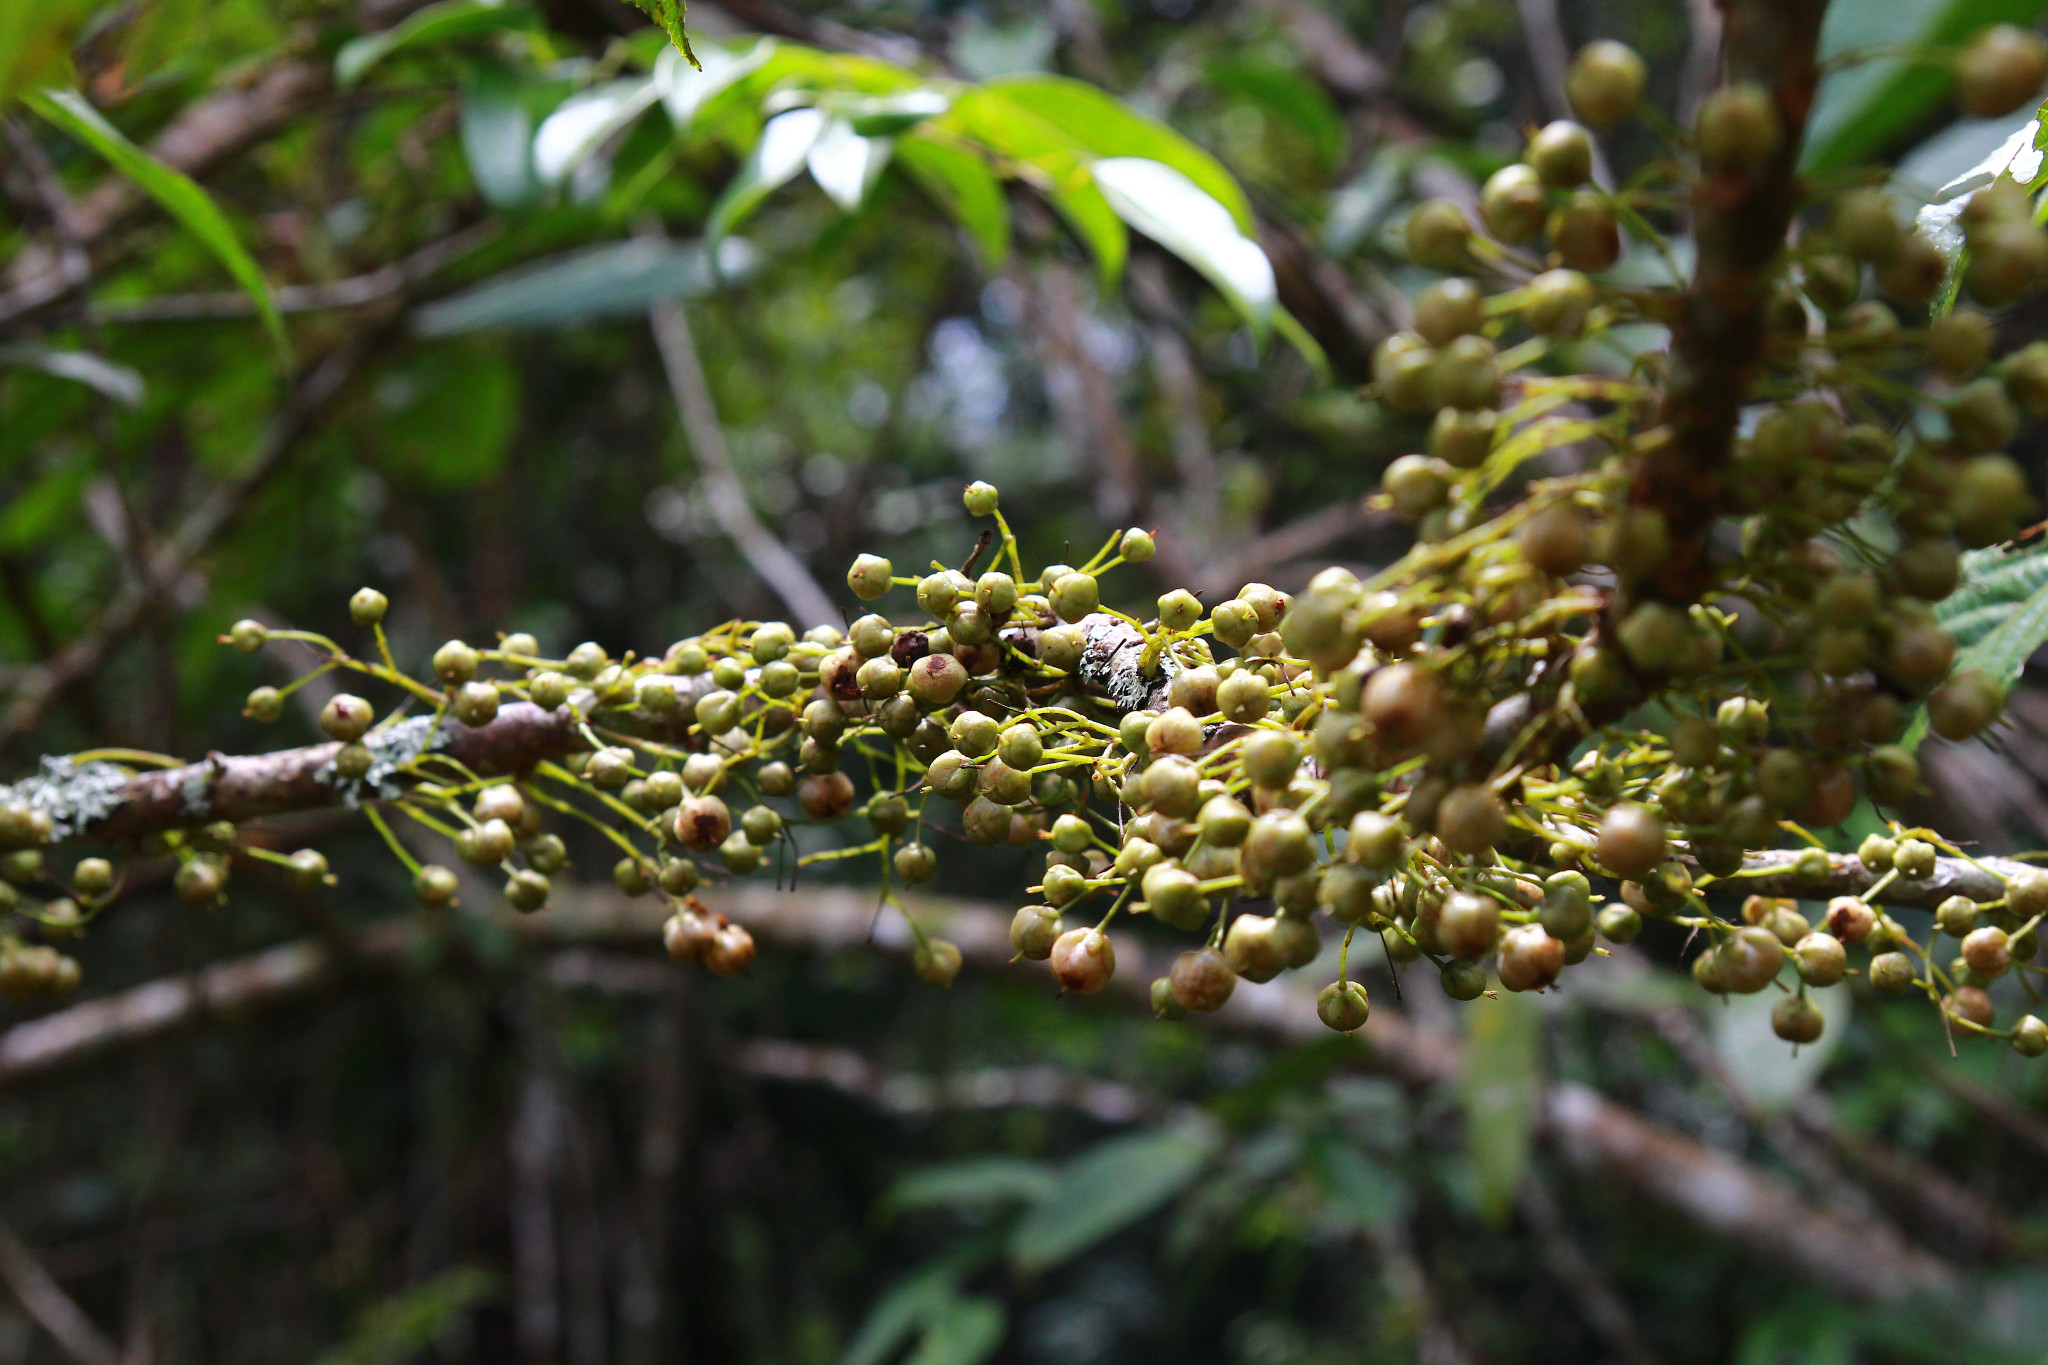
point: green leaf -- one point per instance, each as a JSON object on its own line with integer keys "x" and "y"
{"x": 176, "y": 192}
{"x": 2003, "y": 650}
{"x": 965, "y": 187}
{"x": 668, "y": 16}
{"x": 1106, "y": 126}
{"x": 978, "y": 1183}
{"x": 1106, "y": 1189}
{"x": 1499, "y": 1085}
{"x": 844, "y": 164}
{"x": 443, "y": 22}
{"x": 960, "y": 1331}
{"x": 1991, "y": 586}
{"x": 616, "y": 279}
{"x": 497, "y": 135}
{"x": 118, "y": 382}
{"x": 586, "y": 121}
{"x": 1862, "y": 110}
{"x": 1051, "y": 160}
{"x": 35, "y": 42}
{"x": 889, "y": 115}
{"x": 783, "y": 149}
{"x": 685, "y": 92}
{"x": 1175, "y": 212}
{"x": 899, "y": 1312}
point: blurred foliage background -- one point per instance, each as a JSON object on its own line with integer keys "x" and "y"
{"x": 476, "y": 1142}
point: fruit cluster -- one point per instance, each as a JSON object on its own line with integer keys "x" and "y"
{"x": 1574, "y": 681}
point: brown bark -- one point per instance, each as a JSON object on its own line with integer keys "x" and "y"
{"x": 249, "y": 787}
{"x": 1718, "y": 334}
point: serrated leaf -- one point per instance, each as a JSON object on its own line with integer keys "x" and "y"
{"x": 1106, "y": 1189}
{"x": 1863, "y": 109}
{"x": 1991, "y": 584}
{"x": 844, "y": 164}
{"x": 177, "y": 193}
{"x": 965, "y": 187}
{"x": 443, "y": 22}
{"x": 784, "y": 147}
{"x": 615, "y": 279}
{"x": 668, "y": 17}
{"x": 586, "y": 121}
{"x": 978, "y": 1183}
{"x": 1164, "y": 204}
{"x": 1107, "y": 127}
{"x": 1499, "y": 1083}
{"x": 2001, "y": 651}
{"x": 118, "y": 382}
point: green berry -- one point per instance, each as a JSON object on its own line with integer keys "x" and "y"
{"x": 346, "y": 717}
{"x": 1438, "y": 235}
{"x": 869, "y": 578}
{"x": 1561, "y": 154}
{"x": 455, "y": 663}
{"x": 265, "y": 704}
{"x": 2001, "y": 70}
{"x": 368, "y": 606}
{"x": 1343, "y": 1006}
{"x": 980, "y": 498}
{"x": 1512, "y": 204}
{"x": 1605, "y": 83}
{"x": 1738, "y": 131}
{"x": 527, "y": 891}
{"x": 1075, "y": 595}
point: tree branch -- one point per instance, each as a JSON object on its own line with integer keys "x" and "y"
{"x": 1717, "y": 338}
{"x": 53, "y": 1309}
{"x": 353, "y": 292}
{"x": 770, "y": 558}
{"x": 1857, "y": 1258}
{"x": 1770, "y": 874}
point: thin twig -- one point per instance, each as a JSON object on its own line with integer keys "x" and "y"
{"x": 1589, "y": 1290}
{"x": 769, "y": 557}
{"x": 354, "y": 292}
{"x": 54, "y": 1310}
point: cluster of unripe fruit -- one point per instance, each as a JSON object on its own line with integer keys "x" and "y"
{"x": 57, "y": 905}
{"x": 1444, "y": 756}
{"x": 1993, "y": 939}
